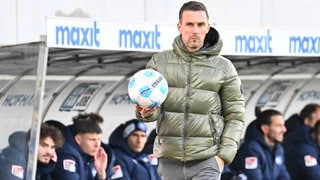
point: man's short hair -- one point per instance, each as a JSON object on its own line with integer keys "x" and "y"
{"x": 264, "y": 117}
{"x": 87, "y": 123}
{"x": 192, "y": 6}
{"x": 54, "y": 133}
{"x": 308, "y": 111}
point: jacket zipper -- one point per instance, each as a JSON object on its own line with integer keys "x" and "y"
{"x": 186, "y": 110}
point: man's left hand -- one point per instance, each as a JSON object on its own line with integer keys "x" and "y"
{"x": 220, "y": 163}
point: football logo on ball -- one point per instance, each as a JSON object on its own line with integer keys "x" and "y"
{"x": 148, "y": 88}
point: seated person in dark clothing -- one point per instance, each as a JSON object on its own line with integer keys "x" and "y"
{"x": 148, "y": 149}
{"x": 316, "y": 134}
{"x": 14, "y": 158}
{"x": 111, "y": 158}
{"x": 82, "y": 156}
{"x": 13, "y": 161}
{"x": 127, "y": 142}
{"x": 50, "y": 139}
{"x": 303, "y": 158}
{"x": 261, "y": 155}
{"x": 308, "y": 116}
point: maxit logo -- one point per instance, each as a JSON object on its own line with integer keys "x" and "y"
{"x": 78, "y": 36}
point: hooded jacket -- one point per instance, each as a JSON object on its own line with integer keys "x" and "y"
{"x": 13, "y": 159}
{"x": 292, "y": 125}
{"x": 73, "y": 163}
{"x": 258, "y": 160}
{"x": 203, "y": 114}
{"x": 148, "y": 149}
{"x": 303, "y": 158}
{"x": 129, "y": 165}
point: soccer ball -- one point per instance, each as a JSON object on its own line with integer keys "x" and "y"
{"x": 148, "y": 88}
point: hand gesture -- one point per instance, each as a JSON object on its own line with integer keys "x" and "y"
{"x": 100, "y": 163}
{"x": 54, "y": 156}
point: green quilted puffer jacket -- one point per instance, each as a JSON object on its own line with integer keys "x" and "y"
{"x": 203, "y": 114}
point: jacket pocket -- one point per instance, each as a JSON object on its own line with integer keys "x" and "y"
{"x": 216, "y": 126}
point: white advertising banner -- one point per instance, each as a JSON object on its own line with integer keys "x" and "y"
{"x": 92, "y": 34}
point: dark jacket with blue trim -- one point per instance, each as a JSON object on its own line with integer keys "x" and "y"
{"x": 258, "y": 160}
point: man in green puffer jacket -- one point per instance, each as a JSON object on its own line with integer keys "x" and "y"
{"x": 200, "y": 124}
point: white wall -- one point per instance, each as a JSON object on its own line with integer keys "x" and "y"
{"x": 24, "y": 21}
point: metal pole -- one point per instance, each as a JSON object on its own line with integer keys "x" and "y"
{"x": 37, "y": 112}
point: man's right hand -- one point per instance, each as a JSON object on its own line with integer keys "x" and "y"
{"x": 100, "y": 163}
{"x": 145, "y": 112}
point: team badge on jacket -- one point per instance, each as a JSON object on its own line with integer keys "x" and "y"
{"x": 69, "y": 165}
{"x": 17, "y": 171}
{"x": 117, "y": 172}
{"x": 251, "y": 162}
{"x": 310, "y": 161}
